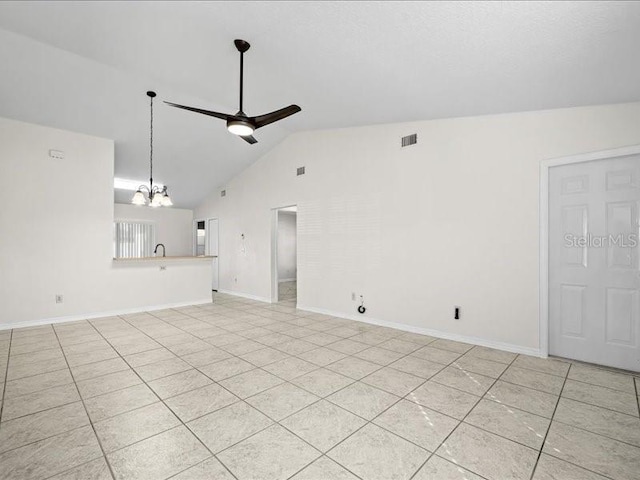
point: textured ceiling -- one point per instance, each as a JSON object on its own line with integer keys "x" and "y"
{"x": 85, "y": 66}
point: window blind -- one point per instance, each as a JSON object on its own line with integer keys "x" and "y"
{"x": 133, "y": 239}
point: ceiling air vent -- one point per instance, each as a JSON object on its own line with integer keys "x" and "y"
{"x": 300, "y": 171}
{"x": 410, "y": 140}
{"x": 223, "y": 193}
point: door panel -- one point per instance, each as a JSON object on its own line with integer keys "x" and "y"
{"x": 622, "y": 309}
{"x": 579, "y": 184}
{"x": 621, "y": 180}
{"x": 621, "y": 222}
{"x": 594, "y": 275}
{"x": 573, "y": 310}
{"x": 575, "y": 221}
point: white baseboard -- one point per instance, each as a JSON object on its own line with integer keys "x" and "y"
{"x": 508, "y": 347}
{"x": 110, "y": 313}
{"x": 246, "y": 295}
{"x": 282, "y": 280}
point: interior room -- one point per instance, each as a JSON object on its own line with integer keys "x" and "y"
{"x": 287, "y": 264}
{"x": 318, "y": 240}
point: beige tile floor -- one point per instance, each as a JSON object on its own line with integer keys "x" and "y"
{"x": 287, "y": 290}
{"x": 243, "y": 390}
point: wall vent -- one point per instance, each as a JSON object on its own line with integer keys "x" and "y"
{"x": 223, "y": 193}
{"x": 410, "y": 140}
{"x": 300, "y": 171}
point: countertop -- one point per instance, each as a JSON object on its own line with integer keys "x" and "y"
{"x": 168, "y": 258}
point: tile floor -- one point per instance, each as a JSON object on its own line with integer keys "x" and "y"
{"x": 242, "y": 390}
{"x": 287, "y": 291}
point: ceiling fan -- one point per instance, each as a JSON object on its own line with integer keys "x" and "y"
{"x": 239, "y": 123}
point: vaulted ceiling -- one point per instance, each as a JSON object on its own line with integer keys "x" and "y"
{"x": 85, "y": 66}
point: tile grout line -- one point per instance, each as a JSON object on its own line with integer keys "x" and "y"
{"x": 390, "y": 406}
{"x": 557, "y": 395}
{"x": 51, "y": 436}
{"x": 605, "y": 368}
{"x": 544, "y": 440}
{"x": 617, "y": 390}
{"x": 484, "y": 397}
{"x": 44, "y": 410}
{"x": 72, "y": 468}
{"x": 367, "y": 421}
{"x": 289, "y": 355}
{"x": 636, "y": 382}
{"x": 600, "y": 406}
{"x": 161, "y": 401}
{"x": 274, "y": 422}
{"x": 316, "y": 402}
{"x": 266, "y": 346}
{"x": 104, "y": 455}
{"x": 461, "y": 421}
{"x": 6, "y": 375}
{"x": 423, "y": 345}
{"x": 597, "y": 433}
{"x": 370, "y": 346}
{"x": 319, "y": 399}
{"x": 355, "y": 381}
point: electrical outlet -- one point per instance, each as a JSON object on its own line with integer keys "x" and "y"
{"x": 163, "y": 268}
{"x": 59, "y": 298}
{"x": 353, "y": 296}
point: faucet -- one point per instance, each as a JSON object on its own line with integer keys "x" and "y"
{"x": 156, "y": 249}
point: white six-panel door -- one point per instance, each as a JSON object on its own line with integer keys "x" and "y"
{"x": 594, "y": 275}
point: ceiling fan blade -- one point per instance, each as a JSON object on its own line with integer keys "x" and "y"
{"x": 267, "y": 118}
{"x": 249, "y": 139}
{"x": 222, "y": 116}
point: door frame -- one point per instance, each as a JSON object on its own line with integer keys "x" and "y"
{"x": 215, "y": 262}
{"x": 207, "y": 250}
{"x": 194, "y": 242}
{"x": 545, "y": 167}
{"x": 274, "y": 249}
{"x": 194, "y": 239}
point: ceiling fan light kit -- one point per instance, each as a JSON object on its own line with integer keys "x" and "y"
{"x": 239, "y": 127}
{"x": 239, "y": 123}
{"x": 156, "y": 196}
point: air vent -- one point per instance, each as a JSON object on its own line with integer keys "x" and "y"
{"x": 223, "y": 193}
{"x": 410, "y": 140}
{"x": 300, "y": 171}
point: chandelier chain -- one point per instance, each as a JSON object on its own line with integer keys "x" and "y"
{"x": 157, "y": 197}
{"x": 151, "y": 145}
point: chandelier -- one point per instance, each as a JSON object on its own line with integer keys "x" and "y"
{"x": 157, "y": 197}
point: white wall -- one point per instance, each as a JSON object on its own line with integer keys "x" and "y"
{"x": 450, "y": 221}
{"x": 56, "y": 235}
{"x": 174, "y": 226}
{"x": 287, "y": 246}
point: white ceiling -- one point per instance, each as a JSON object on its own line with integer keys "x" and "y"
{"x": 86, "y": 66}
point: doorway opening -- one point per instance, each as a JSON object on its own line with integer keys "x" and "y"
{"x": 200, "y": 238}
{"x": 206, "y": 243}
{"x": 284, "y": 255}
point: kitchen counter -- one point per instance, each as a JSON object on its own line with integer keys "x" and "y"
{"x": 168, "y": 259}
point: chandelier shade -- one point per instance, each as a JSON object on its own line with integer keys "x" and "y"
{"x": 138, "y": 198}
